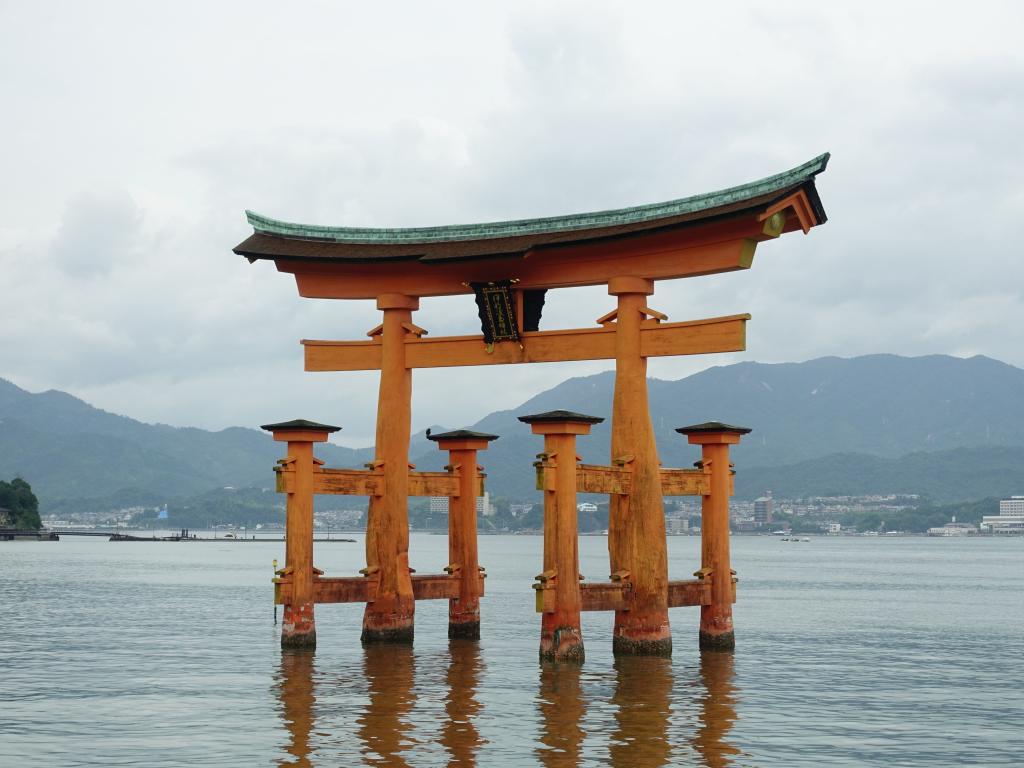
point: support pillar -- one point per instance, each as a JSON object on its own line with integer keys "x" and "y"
{"x": 463, "y": 562}
{"x": 298, "y": 626}
{"x": 636, "y": 526}
{"x": 714, "y": 438}
{"x": 389, "y": 618}
{"x": 561, "y": 638}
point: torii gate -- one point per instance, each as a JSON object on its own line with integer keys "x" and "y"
{"x": 509, "y": 265}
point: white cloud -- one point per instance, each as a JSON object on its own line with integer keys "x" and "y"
{"x": 139, "y": 135}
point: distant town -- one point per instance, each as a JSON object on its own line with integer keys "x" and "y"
{"x": 262, "y": 511}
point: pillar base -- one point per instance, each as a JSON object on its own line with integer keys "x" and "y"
{"x": 562, "y": 644}
{"x": 394, "y": 626}
{"x": 716, "y": 632}
{"x": 464, "y": 630}
{"x": 639, "y": 634}
{"x": 717, "y": 641}
{"x": 298, "y": 626}
{"x": 629, "y": 646}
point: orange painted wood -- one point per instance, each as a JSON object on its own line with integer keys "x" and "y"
{"x": 346, "y": 589}
{"x": 693, "y": 337}
{"x": 342, "y": 355}
{"x": 802, "y": 212}
{"x": 604, "y": 596}
{"x": 434, "y": 484}
{"x": 716, "y": 625}
{"x": 435, "y": 587}
{"x": 591, "y": 478}
{"x": 390, "y": 616}
{"x": 636, "y": 525}
{"x": 362, "y": 482}
{"x": 560, "y": 638}
{"x": 360, "y": 589}
{"x": 298, "y": 626}
{"x": 349, "y": 482}
{"x": 463, "y": 557}
{"x": 684, "y": 482}
{"x": 688, "y": 592}
{"x": 653, "y": 256}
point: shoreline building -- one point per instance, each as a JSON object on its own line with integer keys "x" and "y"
{"x": 953, "y": 528}
{"x": 483, "y": 504}
{"x": 763, "y": 509}
{"x": 1010, "y": 519}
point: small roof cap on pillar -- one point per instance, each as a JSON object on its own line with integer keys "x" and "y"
{"x": 709, "y": 427}
{"x": 299, "y": 425}
{"x": 549, "y": 416}
{"x": 460, "y": 434}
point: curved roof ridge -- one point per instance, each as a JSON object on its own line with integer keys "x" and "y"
{"x": 500, "y": 229}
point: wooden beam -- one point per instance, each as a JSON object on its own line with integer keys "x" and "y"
{"x": 684, "y": 482}
{"x": 604, "y": 596}
{"x": 723, "y": 247}
{"x": 591, "y": 478}
{"x": 348, "y": 482}
{"x": 433, "y": 484}
{"x": 716, "y": 334}
{"x": 689, "y": 592}
{"x": 361, "y": 589}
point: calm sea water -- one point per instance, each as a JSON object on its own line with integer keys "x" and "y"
{"x": 891, "y": 651}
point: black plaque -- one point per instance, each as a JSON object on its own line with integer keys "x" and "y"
{"x": 497, "y": 309}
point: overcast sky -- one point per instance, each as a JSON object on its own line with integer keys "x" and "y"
{"x": 134, "y": 135}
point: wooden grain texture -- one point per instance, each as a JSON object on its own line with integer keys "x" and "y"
{"x": 592, "y": 478}
{"x": 636, "y": 526}
{"x": 718, "y": 248}
{"x": 692, "y": 337}
{"x": 390, "y": 616}
{"x": 684, "y": 482}
{"x": 298, "y": 625}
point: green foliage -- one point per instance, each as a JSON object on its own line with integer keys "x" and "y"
{"x": 920, "y": 519}
{"x": 21, "y": 504}
{"x": 224, "y": 506}
{"x": 944, "y": 476}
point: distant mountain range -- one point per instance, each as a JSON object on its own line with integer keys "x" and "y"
{"x": 949, "y": 427}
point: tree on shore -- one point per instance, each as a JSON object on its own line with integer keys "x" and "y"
{"x": 21, "y": 504}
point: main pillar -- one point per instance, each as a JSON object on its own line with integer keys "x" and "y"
{"x": 463, "y": 561}
{"x": 636, "y": 525}
{"x": 714, "y": 438}
{"x": 298, "y": 627}
{"x": 389, "y": 618}
{"x": 560, "y": 635}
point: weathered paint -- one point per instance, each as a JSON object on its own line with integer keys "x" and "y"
{"x": 389, "y": 618}
{"x": 561, "y": 638}
{"x": 716, "y": 626}
{"x": 636, "y": 526}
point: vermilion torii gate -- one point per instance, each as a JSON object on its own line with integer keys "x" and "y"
{"x": 509, "y": 265}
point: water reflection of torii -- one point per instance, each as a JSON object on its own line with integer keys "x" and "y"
{"x": 383, "y": 727}
{"x": 642, "y": 697}
{"x": 643, "y": 700}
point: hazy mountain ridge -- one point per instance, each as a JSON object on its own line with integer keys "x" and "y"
{"x": 66, "y": 448}
{"x": 874, "y": 408}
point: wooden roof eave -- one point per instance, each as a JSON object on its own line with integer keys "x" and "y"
{"x": 707, "y": 241}
{"x": 720, "y": 246}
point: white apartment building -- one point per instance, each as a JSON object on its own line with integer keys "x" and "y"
{"x": 1010, "y": 519}
{"x": 1012, "y": 506}
{"x": 483, "y": 504}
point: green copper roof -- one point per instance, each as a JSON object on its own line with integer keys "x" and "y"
{"x": 580, "y": 221}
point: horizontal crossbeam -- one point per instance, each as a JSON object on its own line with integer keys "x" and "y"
{"x": 368, "y": 482}
{"x": 694, "y": 337}
{"x": 617, "y": 595}
{"x": 362, "y": 589}
{"x": 685, "y": 482}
